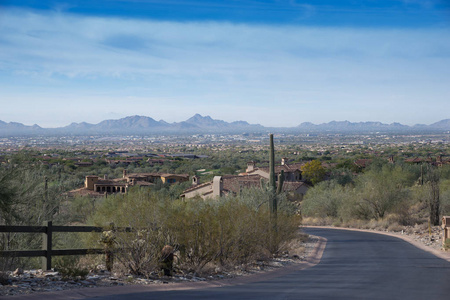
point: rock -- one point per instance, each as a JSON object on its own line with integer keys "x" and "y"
{"x": 51, "y": 274}
{"x": 199, "y": 279}
{"x": 18, "y": 271}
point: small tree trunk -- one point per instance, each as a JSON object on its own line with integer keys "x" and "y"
{"x": 109, "y": 261}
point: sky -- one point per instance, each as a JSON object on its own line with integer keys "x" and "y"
{"x": 276, "y": 63}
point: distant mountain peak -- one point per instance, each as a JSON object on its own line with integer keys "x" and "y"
{"x": 199, "y": 117}
{"x": 205, "y": 124}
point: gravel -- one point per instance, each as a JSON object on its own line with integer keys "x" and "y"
{"x": 35, "y": 281}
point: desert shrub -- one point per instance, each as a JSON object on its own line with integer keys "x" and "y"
{"x": 226, "y": 231}
{"x": 142, "y": 251}
{"x": 139, "y": 251}
{"x": 447, "y": 245}
{"x": 323, "y": 200}
{"x": 343, "y": 176}
{"x": 379, "y": 192}
{"x": 445, "y": 197}
{"x": 382, "y": 190}
{"x": 6, "y": 264}
{"x": 81, "y": 207}
{"x": 69, "y": 267}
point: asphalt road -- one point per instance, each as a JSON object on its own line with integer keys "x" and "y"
{"x": 355, "y": 265}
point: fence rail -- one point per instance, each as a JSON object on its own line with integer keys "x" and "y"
{"x": 47, "y": 250}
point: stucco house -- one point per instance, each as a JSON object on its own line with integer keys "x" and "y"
{"x": 98, "y": 186}
{"x": 221, "y": 185}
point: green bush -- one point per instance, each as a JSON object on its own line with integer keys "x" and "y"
{"x": 382, "y": 190}
{"x": 447, "y": 245}
{"x": 69, "y": 267}
{"x": 226, "y": 231}
{"x": 324, "y": 200}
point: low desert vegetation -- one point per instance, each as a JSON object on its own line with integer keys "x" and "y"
{"x": 222, "y": 233}
{"x": 219, "y": 233}
{"x": 384, "y": 196}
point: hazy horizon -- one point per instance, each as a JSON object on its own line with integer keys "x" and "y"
{"x": 178, "y": 121}
{"x": 274, "y": 63}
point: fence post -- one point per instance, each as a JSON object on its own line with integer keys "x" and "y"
{"x": 47, "y": 246}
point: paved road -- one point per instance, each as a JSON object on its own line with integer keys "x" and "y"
{"x": 355, "y": 265}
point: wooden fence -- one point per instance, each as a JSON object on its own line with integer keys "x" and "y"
{"x": 47, "y": 251}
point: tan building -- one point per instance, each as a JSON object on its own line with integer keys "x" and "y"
{"x": 103, "y": 185}
{"x": 97, "y": 186}
{"x": 222, "y": 185}
{"x": 210, "y": 189}
{"x": 153, "y": 177}
{"x": 292, "y": 172}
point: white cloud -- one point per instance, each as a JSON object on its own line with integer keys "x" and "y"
{"x": 286, "y": 70}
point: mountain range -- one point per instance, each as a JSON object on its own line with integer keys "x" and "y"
{"x": 205, "y": 124}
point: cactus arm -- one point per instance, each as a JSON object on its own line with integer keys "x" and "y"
{"x": 280, "y": 182}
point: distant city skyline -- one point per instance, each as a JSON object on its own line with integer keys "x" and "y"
{"x": 274, "y": 63}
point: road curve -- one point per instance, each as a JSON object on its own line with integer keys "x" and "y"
{"x": 355, "y": 265}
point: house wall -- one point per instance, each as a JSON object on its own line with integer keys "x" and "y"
{"x": 90, "y": 181}
{"x": 293, "y": 176}
{"x": 261, "y": 173}
{"x": 101, "y": 188}
{"x": 173, "y": 179}
{"x": 217, "y": 186}
{"x": 204, "y": 192}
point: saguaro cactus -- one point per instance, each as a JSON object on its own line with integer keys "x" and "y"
{"x": 272, "y": 182}
{"x": 274, "y": 189}
{"x": 280, "y": 182}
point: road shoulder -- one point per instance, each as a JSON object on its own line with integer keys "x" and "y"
{"x": 313, "y": 259}
{"x": 406, "y": 238}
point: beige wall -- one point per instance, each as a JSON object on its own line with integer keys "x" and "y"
{"x": 204, "y": 192}
{"x": 90, "y": 182}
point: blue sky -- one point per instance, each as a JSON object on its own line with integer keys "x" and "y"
{"x": 276, "y": 63}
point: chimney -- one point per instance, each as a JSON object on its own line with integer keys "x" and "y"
{"x": 250, "y": 166}
{"x": 105, "y": 176}
{"x": 284, "y": 161}
{"x": 195, "y": 180}
{"x": 217, "y": 186}
{"x": 124, "y": 173}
